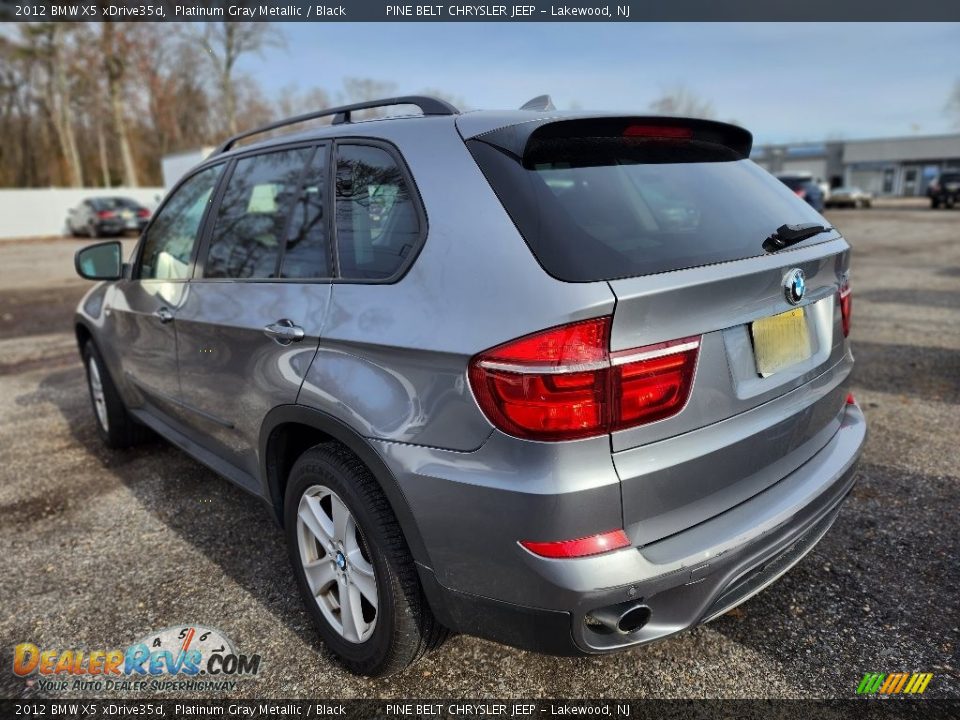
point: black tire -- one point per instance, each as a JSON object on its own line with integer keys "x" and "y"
{"x": 934, "y": 203}
{"x": 120, "y": 430}
{"x": 405, "y": 628}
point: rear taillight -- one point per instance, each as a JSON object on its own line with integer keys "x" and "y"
{"x": 582, "y": 547}
{"x": 564, "y": 384}
{"x": 143, "y": 213}
{"x": 800, "y": 193}
{"x": 652, "y": 383}
{"x": 105, "y": 214}
{"x": 846, "y": 304}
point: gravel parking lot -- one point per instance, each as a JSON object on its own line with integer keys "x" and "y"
{"x": 99, "y": 548}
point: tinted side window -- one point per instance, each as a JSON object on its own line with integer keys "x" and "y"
{"x": 250, "y": 220}
{"x": 307, "y": 252}
{"x": 170, "y": 240}
{"x": 377, "y": 222}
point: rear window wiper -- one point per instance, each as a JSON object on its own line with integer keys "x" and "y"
{"x": 787, "y": 235}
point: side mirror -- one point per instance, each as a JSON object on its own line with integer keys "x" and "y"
{"x": 102, "y": 261}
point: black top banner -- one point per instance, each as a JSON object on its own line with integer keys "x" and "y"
{"x": 478, "y": 11}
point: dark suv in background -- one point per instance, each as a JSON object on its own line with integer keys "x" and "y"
{"x": 945, "y": 189}
{"x": 805, "y": 188}
{"x": 101, "y": 216}
{"x": 570, "y": 381}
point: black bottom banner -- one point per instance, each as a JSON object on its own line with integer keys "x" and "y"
{"x": 861, "y": 709}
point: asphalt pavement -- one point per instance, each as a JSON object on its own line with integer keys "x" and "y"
{"x": 100, "y": 548}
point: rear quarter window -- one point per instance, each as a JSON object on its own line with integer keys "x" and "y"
{"x": 378, "y": 223}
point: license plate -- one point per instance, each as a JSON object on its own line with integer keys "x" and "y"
{"x": 780, "y": 341}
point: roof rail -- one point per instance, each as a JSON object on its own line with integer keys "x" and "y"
{"x": 429, "y": 106}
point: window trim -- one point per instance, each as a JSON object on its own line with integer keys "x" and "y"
{"x": 415, "y": 197}
{"x": 202, "y": 246}
{"x": 324, "y": 148}
{"x": 207, "y": 232}
{"x": 137, "y": 265}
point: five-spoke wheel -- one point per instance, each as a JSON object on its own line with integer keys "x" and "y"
{"x": 336, "y": 563}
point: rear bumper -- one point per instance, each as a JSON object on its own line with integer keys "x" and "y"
{"x": 685, "y": 579}
{"x": 110, "y": 227}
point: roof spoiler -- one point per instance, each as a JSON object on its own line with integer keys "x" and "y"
{"x": 428, "y": 105}
{"x": 515, "y": 139}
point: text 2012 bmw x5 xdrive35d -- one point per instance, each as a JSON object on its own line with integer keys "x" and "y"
{"x": 570, "y": 381}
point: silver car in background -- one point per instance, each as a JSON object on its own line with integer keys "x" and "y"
{"x": 569, "y": 381}
{"x": 849, "y": 197}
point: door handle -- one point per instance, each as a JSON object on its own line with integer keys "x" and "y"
{"x": 164, "y": 315}
{"x": 284, "y": 332}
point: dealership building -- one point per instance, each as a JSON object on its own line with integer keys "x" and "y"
{"x": 900, "y": 167}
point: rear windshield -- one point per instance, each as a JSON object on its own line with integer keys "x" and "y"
{"x": 950, "y": 177}
{"x": 604, "y": 208}
{"x": 113, "y": 203}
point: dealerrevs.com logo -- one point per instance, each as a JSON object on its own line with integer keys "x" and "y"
{"x": 894, "y": 683}
{"x": 176, "y": 658}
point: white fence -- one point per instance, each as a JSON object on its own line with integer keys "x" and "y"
{"x": 31, "y": 213}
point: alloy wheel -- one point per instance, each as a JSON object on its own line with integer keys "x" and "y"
{"x": 337, "y": 563}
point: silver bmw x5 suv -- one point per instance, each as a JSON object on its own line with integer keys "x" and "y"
{"x": 569, "y": 381}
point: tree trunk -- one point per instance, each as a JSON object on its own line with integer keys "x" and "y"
{"x": 62, "y": 111}
{"x": 102, "y": 148}
{"x": 113, "y": 64}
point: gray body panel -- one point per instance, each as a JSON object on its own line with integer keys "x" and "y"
{"x": 412, "y": 340}
{"x": 231, "y": 373}
{"x": 144, "y": 347}
{"x": 751, "y": 469}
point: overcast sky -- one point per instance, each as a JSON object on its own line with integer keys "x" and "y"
{"x": 785, "y": 82}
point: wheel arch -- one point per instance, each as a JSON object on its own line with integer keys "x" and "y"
{"x": 84, "y": 334}
{"x": 288, "y": 430}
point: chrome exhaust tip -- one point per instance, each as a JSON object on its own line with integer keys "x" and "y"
{"x": 622, "y": 619}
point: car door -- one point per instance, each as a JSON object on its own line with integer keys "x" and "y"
{"x": 143, "y": 309}
{"x": 249, "y": 326}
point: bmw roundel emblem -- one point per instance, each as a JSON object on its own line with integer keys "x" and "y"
{"x": 794, "y": 286}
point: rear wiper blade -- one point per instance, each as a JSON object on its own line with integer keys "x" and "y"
{"x": 787, "y": 235}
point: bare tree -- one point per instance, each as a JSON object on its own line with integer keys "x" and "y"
{"x": 226, "y": 42}
{"x": 178, "y": 106}
{"x": 292, "y": 101}
{"x": 106, "y": 101}
{"x": 358, "y": 90}
{"x": 90, "y": 103}
{"x": 45, "y": 44}
{"x": 680, "y": 100}
{"x": 114, "y": 66}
